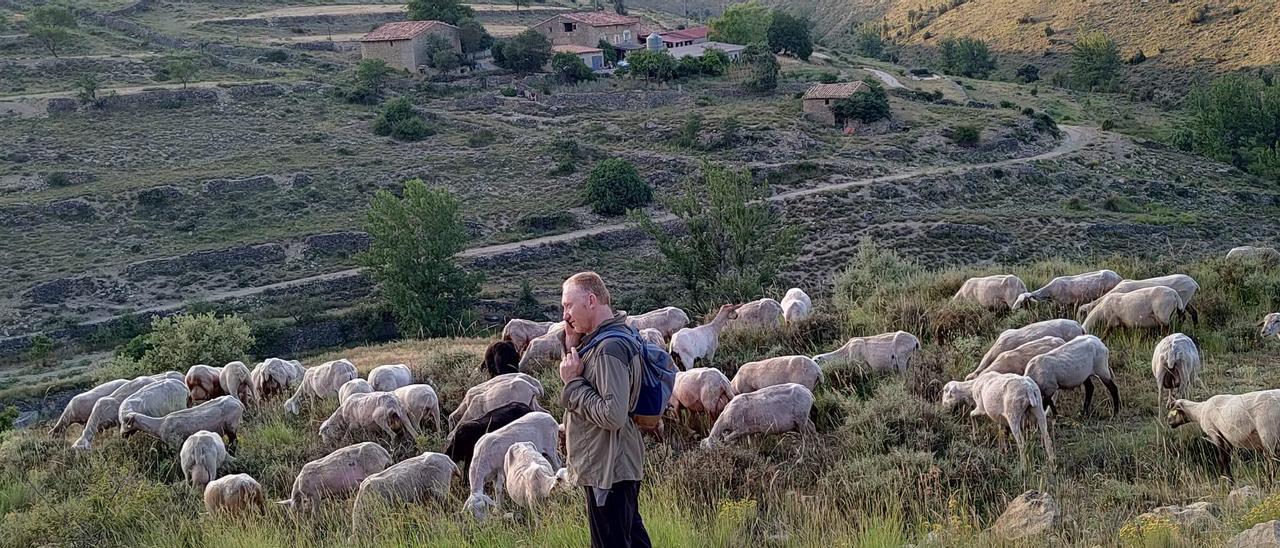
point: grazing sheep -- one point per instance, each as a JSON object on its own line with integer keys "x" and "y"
{"x": 666, "y": 320}
{"x": 353, "y": 386}
{"x": 462, "y": 440}
{"x": 221, "y": 415}
{"x": 800, "y": 370}
{"x": 374, "y": 412}
{"x": 992, "y": 292}
{"x": 204, "y": 382}
{"x": 106, "y": 411}
{"x": 1251, "y": 253}
{"x": 1270, "y": 325}
{"x": 157, "y": 399}
{"x": 1071, "y": 365}
{"x": 415, "y": 480}
{"x": 234, "y": 380}
{"x": 1073, "y": 290}
{"x": 234, "y": 494}
{"x": 764, "y": 313}
{"x": 385, "y": 378}
{"x": 885, "y": 352}
{"x": 690, "y": 344}
{"x": 1248, "y": 421}
{"x": 1015, "y": 360}
{"x": 496, "y": 392}
{"x": 1185, "y": 285}
{"x": 1010, "y": 339}
{"x": 420, "y": 402}
{"x": 1005, "y": 398}
{"x": 653, "y": 336}
{"x": 321, "y": 382}
{"x": 201, "y": 455}
{"x": 538, "y": 428}
{"x": 701, "y": 390}
{"x": 1175, "y": 364}
{"x": 519, "y": 332}
{"x": 1143, "y": 308}
{"x": 545, "y": 349}
{"x": 337, "y": 474}
{"x": 796, "y": 305}
{"x": 530, "y": 479}
{"x": 80, "y": 407}
{"x": 772, "y": 410}
{"x": 500, "y": 358}
{"x": 273, "y": 376}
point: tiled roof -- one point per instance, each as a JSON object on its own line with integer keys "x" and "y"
{"x": 401, "y": 30}
{"x": 575, "y": 49}
{"x": 692, "y": 33}
{"x": 834, "y": 91}
{"x": 600, "y": 18}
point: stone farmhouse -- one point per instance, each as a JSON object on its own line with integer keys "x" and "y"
{"x": 589, "y": 28}
{"x": 403, "y": 44}
{"x": 820, "y": 97}
{"x": 684, "y": 37}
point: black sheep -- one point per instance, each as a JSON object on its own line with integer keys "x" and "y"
{"x": 500, "y": 358}
{"x": 461, "y": 444}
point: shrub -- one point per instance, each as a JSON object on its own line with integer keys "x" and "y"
{"x": 1048, "y": 31}
{"x": 688, "y": 135}
{"x": 868, "y": 42}
{"x": 869, "y": 106}
{"x": 1233, "y": 119}
{"x": 758, "y": 69}
{"x": 744, "y": 23}
{"x": 481, "y": 138}
{"x": 828, "y": 78}
{"x": 528, "y": 51}
{"x": 1028, "y": 73}
{"x": 569, "y": 68}
{"x": 527, "y": 305}
{"x": 449, "y": 11}
{"x": 87, "y": 89}
{"x": 547, "y": 222}
{"x": 1108, "y": 125}
{"x": 869, "y": 272}
{"x": 58, "y": 179}
{"x": 966, "y": 135}
{"x": 8, "y": 415}
{"x": 401, "y": 122}
{"x": 651, "y": 65}
{"x": 1007, "y": 104}
{"x": 614, "y": 186}
{"x": 187, "y": 339}
{"x": 507, "y": 91}
{"x": 1120, "y": 203}
{"x": 1095, "y": 62}
{"x": 1196, "y": 15}
{"x": 276, "y": 56}
{"x": 967, "y": 56}
{"x": 1137, "y": 57}
{"x": 367, "y": 82}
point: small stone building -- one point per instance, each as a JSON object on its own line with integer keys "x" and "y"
{"x": 684, "y": 37}
{"x": 403, "y": 44}
{"x": 588, "y": 28}
{"x": 593, "y": 57}
{"x": 820, "y": 97}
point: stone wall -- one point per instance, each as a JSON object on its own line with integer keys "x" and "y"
{"x": 221, "y": 259}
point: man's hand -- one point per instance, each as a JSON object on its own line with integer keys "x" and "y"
{"x": 571, "y": 338}
{"x": 570, "y": 366}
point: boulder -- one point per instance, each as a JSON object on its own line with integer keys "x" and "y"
{"x": 1262, "y": 535}
{"x": 1240, "y": 496}
{"x": 1197, "y": 515}
{"x": 1032, "y": 513}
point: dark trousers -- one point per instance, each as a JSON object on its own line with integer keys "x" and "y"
{"x": 617, "y": 524}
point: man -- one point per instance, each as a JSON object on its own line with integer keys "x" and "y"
{"x": 603, "y": 444}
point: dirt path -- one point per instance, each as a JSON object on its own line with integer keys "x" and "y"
{"x": 888, "y": 79}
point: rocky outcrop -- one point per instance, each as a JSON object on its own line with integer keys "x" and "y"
{"x": 64, "y": 289}
{"x": 249, "y": 184}
{"x": 1243, "y": 495}
{"x": 75, "y": 209}
{"x": 1262, "y": 535}
{"x": 336, "y": 244}
{"x": 222, "y": 259}
{"x": 1032, "y": 513}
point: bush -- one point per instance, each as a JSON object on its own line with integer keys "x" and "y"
{"x": 966, "y": 135}
{"x": 614, "y": 186}
{"x": 528, "y": 51}
{"x": 651, "y": 65}
{"x": 507, "y": 91}
{"x": 58, "y": 179}
{"x": 481, "y": 138}
{"x": 367, "y": 82}
{"x": 868, "y": 42}
{"x": 401, "y": 122}
{"x": 1233, "y": 119}
{"x": 276, "y": 56}
{"x": 791, "y": 34}
{"x": 1028, "y": 73}
{"x": 1196, "y": 15}
{"x": 1007, "y": 104}
{"x": 1137, "y": 57}
{"x": 178, "y": 342}
{"x": 1108, "y": 125}
{"x": 1120, "y": 204}
{"x": 758, "y": 69}
{"x": 547, "y": 222}
{"x": 828, "y": 78}
{"x": 688, "y": 135}
{"x": 8, "y": 415}
{"x": 869, "y": 106}
{"x": 569, "y": 68}
{"x": 1095, "y": 62}
{"x": 967, "y": 56}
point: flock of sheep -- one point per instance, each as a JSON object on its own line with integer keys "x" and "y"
{"x": 501, "y": 435}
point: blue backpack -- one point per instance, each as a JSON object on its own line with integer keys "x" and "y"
{"x": 656, "y": 381}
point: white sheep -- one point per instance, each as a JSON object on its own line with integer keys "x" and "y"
{"x": 1248, "y": 421}
{"x": 373, "y": 412}
{"x": 497, "y": 392}
{"x": 991, "y": 292}
{"x": 274, "y": 376}
{"x": 201, "y": 455}
{"x": 414, "y": 480}
{"x": 701, "y": 390}
{"x": 337, "y": 474}
{"x": 1270, "y": 325}
{"x": 653, "y": 336}
{"x": 1073, "y": 364}
{"x": 530, "y": 479}
{"x": 154, "y": 400}
{"x": 80, "y": 407}
{"x": 1073, "y": 290}
{"x": 752, "y": 376}
{"x": 204, "y": 382}
{"x": 386, "y": 378}
{"x": 886, "y": 352}
{"x": 420, "y": 402}
{"x": 235, "y": 381}
{"x": 666, "y": 320}
{"x": 221, "y": 415}
{"x": 353, "y": 386}
{"x": 538, "y": 428}
{"x": 796, "y": 306}
{"x": 1010, "y": 339}
{"x": 520, "y": 332}
{"x": 106, "y": 411}
{"x": 234, "y": 494}
{"x": 763, "y": 314}
{"x": 1252, "y": 253}
{"x": 1007, "y": 399}
{"x": 693, "y": 343}
{"x": 1150, "y": 307}
{"x": 1015, "y": 360}
{"x": 321, "y": 382}
{"x": 1185, "y": 285}
{"x": 772, "y": 410}
{"x": 1175, "y": 364}
{"x": 544, "y": 349}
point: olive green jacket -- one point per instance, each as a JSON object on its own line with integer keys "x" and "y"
{"x": 604, "y": 445}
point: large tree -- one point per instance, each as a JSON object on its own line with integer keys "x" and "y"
{"x": 528, "y": 51}
{"x": 791, "y": 34}
{"x": 746, "y": 23}
{"x": 967, "y": 56}
{"x": 474, "y": 37}
{"x": 1095, "y": 62}
{"x": 1236, "y": 119}
{"x": 449, "y": 11}
{"x": 757, "y": 68}
{"x": 51, "y": 26}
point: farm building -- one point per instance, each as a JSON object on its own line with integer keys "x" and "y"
{"x": 589, "y": 28}
{"x": 593, "y": 57}
{"x": 403, "y": 44}
{"x": 697, "y": 49}
{"x": 820, "y": 97}
{"x": 684, "y": 37}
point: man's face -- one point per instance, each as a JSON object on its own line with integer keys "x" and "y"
{"x": 579, "y": 308}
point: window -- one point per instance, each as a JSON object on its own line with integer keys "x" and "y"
{"x": 826, "y": 101}
{"x": 626, "y": 36}
{"x": 568, "y": 27}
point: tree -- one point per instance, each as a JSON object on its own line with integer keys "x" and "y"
{"x": 183, "y": 69}
{"x": 966, "y": 135}
{"x": 87, "y": 88}
{"x": 527, "y": 305}
{"x": 967, "y": 56}
{"x": 188, "y": 339}
{"x": 41, "y": 350}
{"x": 610, "y": 54}
{"x": 758, "y": 68}
{"x": 401, "y": 122}
{"x": 730, "y": 244}
{"x": 865, "y": 106}
{"x": 474, "y": 37}
{"x": 1236, "y": 119}
{"x": 652, "y": 65}
{"x": 8, "y": 415}
{"x": 1095, "y": 62}
{"x": 746, "y": 23}
{"x": 714, "y": 62}
{"x": 367, "y": 82}
{"x": 619, "y": 7}
{"x": 528, "y": 51}
{"x": 50, "y": 26}
{"x": 868, "y": 42}
{"x": 569, "y": 68}
{"x": 449, "y": 11}
{"x": 791, "y": 34}
{"x": 416, "y": 239}
{"x": 614, "y": 186}
{"x": 440, "y": 54}
{"x": 1028, "y": 73}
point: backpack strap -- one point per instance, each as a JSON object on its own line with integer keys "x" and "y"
{"x": 617, "y": 332}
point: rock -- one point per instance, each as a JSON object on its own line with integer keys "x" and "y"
{"x": 1262, "y": 535}
{"x": 1240, "y": 496}
{"x": 251, "y": 184}
{"x": 1032, "y": 513}
{"x": 1197, "y": 515}
{"x": 75, "y": 209}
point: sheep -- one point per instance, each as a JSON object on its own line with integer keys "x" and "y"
{"x": 666, "y": 320}
{"x": 1175, "y": 364}
{"x": 321, "y": 382}
{"x": 420, "y": 402}
{"x": 690, "y": 344}
{"x": 771, "y": 410}
{"x": 530, "y": 479}
{"x": 335, "y": 475}
{"x": 461, "y": 443}
{"x": 800, "y": 370}
{"x": 1010, "y": 339}
{"x": 996, "y": 292}
{"x": 1071, "y": 365}
{"x": 1270, "y": 325}
{"x": 1015, "y": 360}
{"x": 1072, "y": 290}
{"x": 154, "y": 400}
{"x": 201, "y": 455}
{"x": 385, "y": 378}
{"x": 1185, "y": 285}
{"x": 653, "y": 336}
{"x": 547, "y": 348}
{"x": 377, "y": 411}
{"x": 496, "y": 392}
{"x": 273, "y": 376}
{"x": 221, "y": 415}
{"x": 353, "y": 386}
{"x": 234, "y": 380}
{"x": 1143, "y": 308}
{"x": 519, "y": 332}
{"x": 1248, "y": 421}
{"x": 701, "y": 390}
{"x": 501, "y": 357}
{"x": 538, "y": 428}
{"x": 80, "y": 407}
{"x": 1005, "y": 398}
{"x": 411, "y": 481}
{"x": 1251, "y": 253}
{"x": 796, "y": 306}
{"x": 106, "y": 411}
{"x": 204, "y": 382}
{"x": 234, "y": 494}
{"x": 764, "y": 313}
{"x": 885, "y": 352}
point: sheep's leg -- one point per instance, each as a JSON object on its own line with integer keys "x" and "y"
{"x": 435, "y": 416}
{"x": 1224, "y": 461}
{"x": 808, "y": 428}
{"x": 498, "y": 483}
{"x": 1015, "y": 428}
{"x": 1088, "y": 397}
{"x": 1114, "y": 393}
{"x": 1042, "y": 423}
{"x": 731, "y": 436}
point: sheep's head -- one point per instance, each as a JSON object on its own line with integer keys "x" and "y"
{"x": 291, "y": 405}
{"x": 1083, "y": 311}
{"x": 954, "y": 394}
{"x": 479, "y": 505}
{"x": 330, "y": 430}
{"x": 1177, "y": 414}
{"x": 128, "y": 425}
{"x": 563, "y": 483}
{"x": 1021, "y": 300}
{"x": 729, "y": 310}
{"x": 1270, "y": 325}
